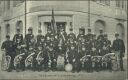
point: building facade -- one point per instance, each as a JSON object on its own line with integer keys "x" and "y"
{"x": 111, "y": 16}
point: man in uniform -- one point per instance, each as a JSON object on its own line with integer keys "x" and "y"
{"x": 106, "y": 50}
{"x": 100, "y": 43}
{"x": 81, "y": 35}
{"x": 71, "y": 36}
{"x": 106, "y": 44}
{"x": 29, "y": 39}
{"x": 8, "y": 47}
{"x": 72, "y": 57}
{"x": 62, "y": 41}
{"x": 52, "y": 57}
{"x": 119, "y": 48}
{"x": 18, "y": 41}
{"x": 89, "y": 37}
{"x": 40, "y": 40}
{"x": 49, "y": 37}
{"x": 101, "y": 36}
{"x": 94, "y": 45}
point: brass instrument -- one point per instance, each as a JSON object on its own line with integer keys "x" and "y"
{"x": 5, "y": 64}
{"x": 17, "y": 59}
{"x": 39, "y": 58}
{"x": 29, "y": 60}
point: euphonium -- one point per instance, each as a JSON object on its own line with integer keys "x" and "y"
{"x": 39, "y": 58}
{"x": 5, "y": 62}
{"x": 17, "y": 59}
{"x": 29, "y": 60}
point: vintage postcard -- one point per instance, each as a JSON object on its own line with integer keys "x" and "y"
{"x": 63, "y": 39}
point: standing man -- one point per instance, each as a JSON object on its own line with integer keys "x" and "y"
{"x": 8, "y": 47}
{"x": 29, "y": 38}
{"x": 80, "y": 38}
{"x": 119, "y": 48}
{"x": 88, "y": 40}
{"x": 48, "y": 37}
{"x": 100, "y": 43}
{"x": 40, "y": 40}
{"x": 18, "y": 41}
{"x": 71, "y": 36}
{"x": 89, "y": 35}
{"x": 101, "y": 36}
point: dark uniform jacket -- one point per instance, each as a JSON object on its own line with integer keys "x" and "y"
{"x": 72, "y": 36}
{"x": 18, "y": 40}
{"x": 28, "y": 40}
{"x": 118, "y": 45}
{"x": 8, "y": 46}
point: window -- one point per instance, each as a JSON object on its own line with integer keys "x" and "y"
{"x": 59, "y": 25}
{"x": 106, "y": 2}
{"x": 99, "y": 24}
{"x": 8, "y": 4}
{"x": 118, "y": 3}
{"x": 16, "y": 3}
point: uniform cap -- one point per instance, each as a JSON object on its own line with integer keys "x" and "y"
{"x": 30, "y": 29}
{"x": 105, "y": 35}
{"x": 71, "y": 29}
{"x": 7, "y": 36}
{"x": 18, "y": 29}
{"x": 39, "y": 31}
{"x": 89, "y": 30}
{"x": 116, "y": 34}
{"x": 101, "y": 30}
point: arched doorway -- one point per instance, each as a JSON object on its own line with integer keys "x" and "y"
{"x": 98, "y": 25}
{"x": 19, "y": 25}
{"x": 7, "y": 29}
{"x": 120, "y": 30}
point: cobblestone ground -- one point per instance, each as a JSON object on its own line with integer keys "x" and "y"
{"x": 62, "y": 75}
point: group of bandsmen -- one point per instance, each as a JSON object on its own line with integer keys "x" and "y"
{"x": 41, "y": 52}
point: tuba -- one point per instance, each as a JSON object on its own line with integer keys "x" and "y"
{"x": 39, "y": 58}
{"x": 5, "y": 64}
{"x": 18, "y": 59}
{"x": 29, "y": 60}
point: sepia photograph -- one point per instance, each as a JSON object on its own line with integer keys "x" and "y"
{"x": 63, "y": 39}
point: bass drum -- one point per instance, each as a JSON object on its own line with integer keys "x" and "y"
{"x": 68, "y": 67}
{"x": 60, "y": 62}
{"x": 5, "y": 63}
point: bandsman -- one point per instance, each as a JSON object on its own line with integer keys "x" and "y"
{"x": 18, "y": 41}
{"x": 88, "y": 41}
{"x": 40, "y": 40}
{"x": 106, "y": 45}
{"x": 81, "y": 35}
{"x": 71, "y": 36}
{"x": 8, "y": 47}
{"x": 52, "y": 57}
{"x": 101, "y": 35}
{"x": 29, "y": 39}
{"x": 119, "y": 48}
